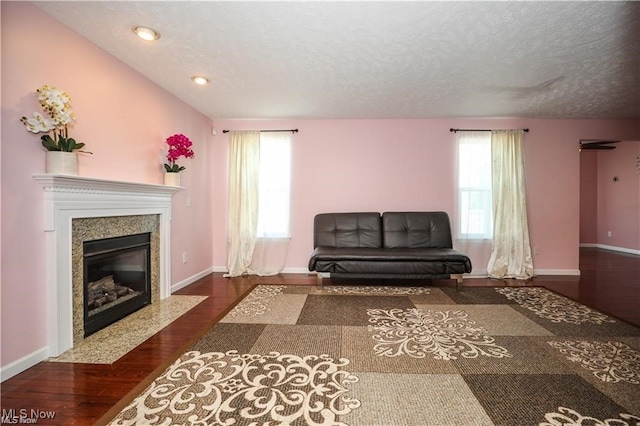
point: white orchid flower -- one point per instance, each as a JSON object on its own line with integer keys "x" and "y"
{"x": 52, "y": 98}
{"x": 63, "y": 118}
{"x": 57, "y": 104}
{"x": 38, "y": 123}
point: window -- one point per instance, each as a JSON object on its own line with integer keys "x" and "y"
{"x": 275, "y": 185}
{"x": 475, "y": 208}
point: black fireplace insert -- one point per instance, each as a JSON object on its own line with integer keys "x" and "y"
{"x": 117, "y": 279}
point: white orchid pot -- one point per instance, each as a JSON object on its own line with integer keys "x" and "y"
{"x": 172, "y": 178}
{"x": 63, "y": 163}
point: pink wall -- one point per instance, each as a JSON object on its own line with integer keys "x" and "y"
{"x": 378, "y": 165}
{"x": 619, "y": 202}
{"x": 588, "y": 197}
{"x": 123, "y": 117}
{"x": 339, "y": 165}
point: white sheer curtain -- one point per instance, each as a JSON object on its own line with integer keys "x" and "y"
{"x": 270, "y": 253}
{"x": 242, "y": 222}
{"x": 511, "y": 249}
{"x": 259, "y": 202}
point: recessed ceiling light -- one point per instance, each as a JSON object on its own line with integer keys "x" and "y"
{"x": 146, "y": 33}
{"x": 200, "y": 80}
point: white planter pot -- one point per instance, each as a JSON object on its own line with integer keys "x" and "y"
{"x": 172, "y": 179}
{"x": 63, "y": 163}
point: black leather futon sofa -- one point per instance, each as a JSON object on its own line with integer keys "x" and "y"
{"x": 412, "y": 245}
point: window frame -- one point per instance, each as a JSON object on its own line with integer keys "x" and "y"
{"x": 274, "y": 190}
{"x": 482, "y": 187}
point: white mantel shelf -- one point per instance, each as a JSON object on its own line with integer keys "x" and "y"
{"x": 57, "y": 182}
{"x": 67, "y": 197}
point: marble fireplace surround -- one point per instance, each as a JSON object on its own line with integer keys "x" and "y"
{"x": 69, "y": 197}
{"x": 97, "y": 228}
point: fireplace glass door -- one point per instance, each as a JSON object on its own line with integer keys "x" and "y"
{"x": 117, "y": 279}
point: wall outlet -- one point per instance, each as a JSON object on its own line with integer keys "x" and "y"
{"x": 184, "y": 257}
{"x": 536, "y": 250}
{"x": 188, "y": 201}
{"x": 609, "y": 233}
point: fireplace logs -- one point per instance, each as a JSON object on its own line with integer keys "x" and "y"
{"x": 104, "y": 291}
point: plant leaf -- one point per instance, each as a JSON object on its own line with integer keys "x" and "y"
{"x": 64, "y": 145}
{"x": 49, "y": 143}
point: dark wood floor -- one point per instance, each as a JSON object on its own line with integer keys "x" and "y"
{"x": 86, "y": 394}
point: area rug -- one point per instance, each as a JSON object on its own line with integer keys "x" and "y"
{"x": 360, "y": 355}
{"x": 110, "y": 344}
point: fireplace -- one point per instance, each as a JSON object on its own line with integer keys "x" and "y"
{"x": 79, "y": 209}
{"x": 116, "y": 279}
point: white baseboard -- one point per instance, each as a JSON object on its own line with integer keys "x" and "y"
{"x": 297, "y": 270}
{"x": 476, "y": 273}
{"x": 291, "y": 270}
{"x": 24, "y": 363}
{"x": 537, "y": 272}
{"x": 182, "y": 284}
{"x": 612, "y": 248}
{"x": 482, "y": 273}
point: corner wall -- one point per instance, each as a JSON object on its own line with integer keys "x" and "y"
{"x": 618, "y": 185}
{"x": 124, "y": 119}
{"x": 588, "y": 197}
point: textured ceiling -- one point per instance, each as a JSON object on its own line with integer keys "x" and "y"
{"x": 379, "y": 59}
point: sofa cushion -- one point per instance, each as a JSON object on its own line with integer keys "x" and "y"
{"x": 384, "y": 269}
{"x": 347, "y": 230}
{"x": 416, "y": 230}
{"x": 393, "y": 259}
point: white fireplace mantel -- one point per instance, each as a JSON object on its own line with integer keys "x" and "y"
{"x": 68, "y": 197}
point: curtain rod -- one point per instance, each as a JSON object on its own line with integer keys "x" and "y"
{"x": 288, "y": 130}
{"x": 480, "y": 130}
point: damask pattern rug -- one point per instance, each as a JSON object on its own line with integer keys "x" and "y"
{"x": 361, "y": 355}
